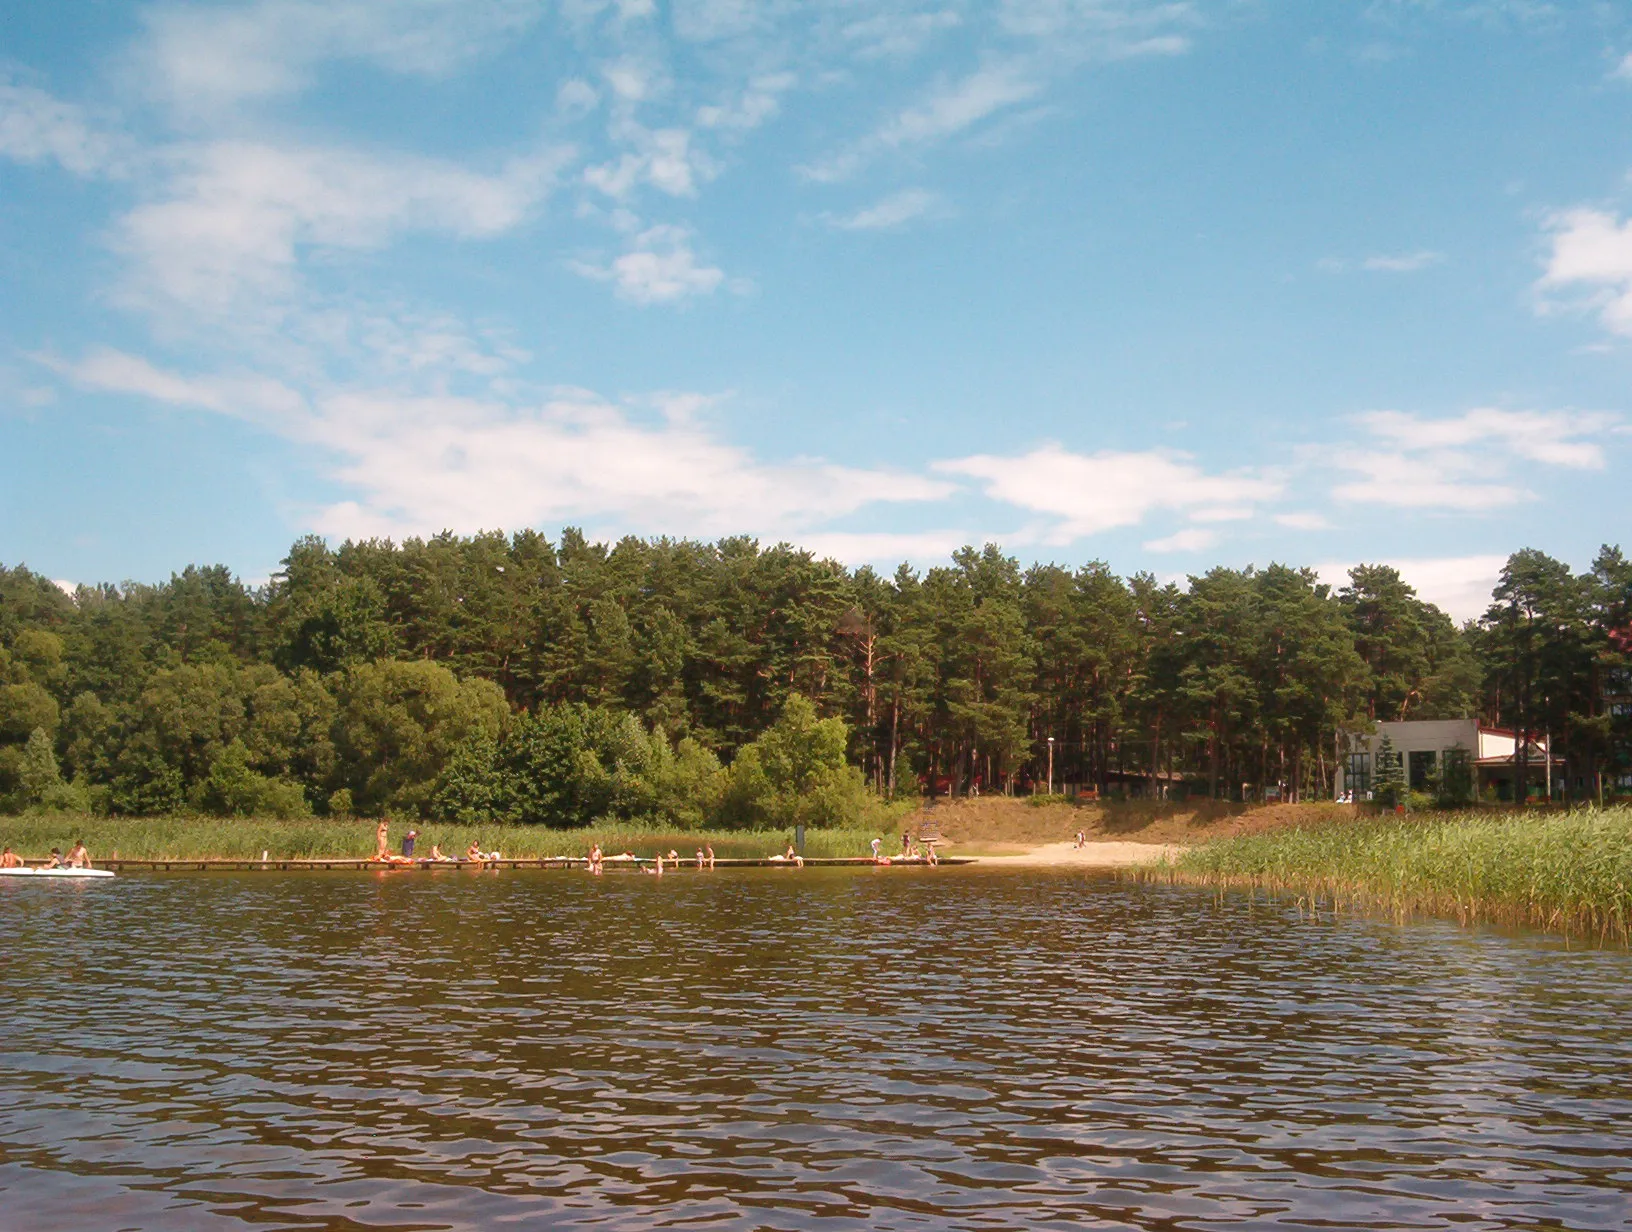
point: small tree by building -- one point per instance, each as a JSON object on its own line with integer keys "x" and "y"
{"x": 1455, "y": 787}
{"x": 1389, "y": 788}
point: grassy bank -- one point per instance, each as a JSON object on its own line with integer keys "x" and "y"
{"x": 244, "y": 838}
{"x": 1568, "y": 872}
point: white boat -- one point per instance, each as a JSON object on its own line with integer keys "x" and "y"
{"x": 56, "y": 872}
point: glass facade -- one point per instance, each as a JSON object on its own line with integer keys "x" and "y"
{"x": 1357, "y": 775}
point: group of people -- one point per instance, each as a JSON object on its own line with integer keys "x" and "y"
{"x": 596, "y": 864}
{"x": 77, "y": 857}
{"x": 911, "y": 849}
{"x": 384, "y": 855}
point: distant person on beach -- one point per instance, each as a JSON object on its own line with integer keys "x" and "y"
{"x": 798, "y": 860}
{"x": 436, "y": 854}
{"x": 878, "y": 848}
{"x": 699, "y": 856}
{"x": 708, "y": 850}
{"x": 78, "y": 857}
{"x": 906, "y": 842}
{"x": 474, "y": 851}
{"x": 381, "y": 838}
{"x": 1082, "y": 840}
{"x": 408, "y": 843}
{"x": 595, "y": 859}
{"x": 10, "y": 859}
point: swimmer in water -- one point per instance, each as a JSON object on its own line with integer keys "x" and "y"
{"x": 78, "y": 857}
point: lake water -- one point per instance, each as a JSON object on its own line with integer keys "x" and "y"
{"x": 827, "y": 1049}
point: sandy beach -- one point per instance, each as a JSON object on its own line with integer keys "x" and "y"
{"x": 1090, "y": 855}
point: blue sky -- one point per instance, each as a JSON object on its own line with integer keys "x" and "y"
{"x": 1166, "y": 284}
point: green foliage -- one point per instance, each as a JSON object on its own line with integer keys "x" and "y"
{"x": 1455, "y": 786}
{"x": 1570, "y": 870}
{"x": 234, "y": 789}
{"x": 1389, "y": 785}
{"x": 495, "y": 677}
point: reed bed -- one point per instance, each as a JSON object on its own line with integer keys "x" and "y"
{"x": 244, "y": 838}
{"x": 1565, "y": 872}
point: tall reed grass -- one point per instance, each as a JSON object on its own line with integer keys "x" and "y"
{"x": 1567, "y": 872}
{"x": 244, "y": 838}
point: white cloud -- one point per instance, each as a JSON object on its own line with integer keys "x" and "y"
{"x": 752, "y": 107}
{"x": 1191, "y": 540}
{"x": 36, "y": 127}
{"x": 1387, "y": 263}
{"x": 885, "y": 547}
{"x": 201, "y": 59}
{"x": 1303, "y": 521}
{"x": 661, "y": 268}
{"x": 1461, "y": 462}
{"x": 420, "y": 464}
{"x": 1090, "y": 493}
{"x": 232, "y": 217}
{"x": 1623, "y": 69}
{"x": 892, "y": 211}
{"x": 1459, "y": 586}
{"x": 664, "y": 158}
{"x": 945, "y": 111}
{"x": 896, "y": 35}
{"x": 1404, "y": 263}
{"x": 1593, "y": 249}
{"x": 1553, "y": 437}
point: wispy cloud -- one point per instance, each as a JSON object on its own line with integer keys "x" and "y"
{"x": 890, "y": 212}
{"x": 36, "y": 127}
{"x": 201, "y": 59}
{"x": 1384, "y": 263}
{"x": 1461, "y": 462}
{"x": 1085, "y": 494}
{"x": 232, "y": 217}
{"x": 419, "y": 464}
{"x": 660, "y": 268}
{"x": 1192, "y": 540}
{"x": 947, "y": 110}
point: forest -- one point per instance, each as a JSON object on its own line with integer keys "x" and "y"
{"x": 732, "y": 684}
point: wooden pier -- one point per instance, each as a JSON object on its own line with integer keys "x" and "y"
{"x": 611, "y": 865}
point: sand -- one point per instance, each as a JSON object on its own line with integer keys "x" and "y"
{"x": 1091, "y": 855}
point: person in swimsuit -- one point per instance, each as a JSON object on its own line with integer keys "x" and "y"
{"x": 699, "y": 856}
{"x": 381, "y": 838}
{"x": 474, "y": 851}
{"x": 9, "y": 859}
{"x": 595, "y": 858}
{"x": 54, "y": 860}
{"x": 791, "y": 854}
{"x": 78, "y": 857}
{"x": 708, "y": 853}
{"x": 878, "y": 848}
{"x": 436, "y": 855}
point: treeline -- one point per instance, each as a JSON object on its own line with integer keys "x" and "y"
{"x": 728, "y": 684}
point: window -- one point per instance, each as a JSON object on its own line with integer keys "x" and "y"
{"x": 1422, "y": 766}
{"x": 1357, "y": 775}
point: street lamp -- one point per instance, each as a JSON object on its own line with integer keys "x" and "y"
{"x": 1051, "y": 765}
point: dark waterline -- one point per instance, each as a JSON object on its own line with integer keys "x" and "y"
{"x": 772, "y": 1049}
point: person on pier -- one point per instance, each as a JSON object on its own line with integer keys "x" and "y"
{"x": 382, "y": 838}
{"x": 78, "y": 857}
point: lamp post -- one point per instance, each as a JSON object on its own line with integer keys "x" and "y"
{"x": 1051, "y": 765}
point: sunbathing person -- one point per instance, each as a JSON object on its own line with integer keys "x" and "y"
{"x": 798, "y": 860}
{"x": 54, "y": 860}
{"x": 10, "y": 859}
{"x": 474, "y": 851}
{"x": 438, "y": 857}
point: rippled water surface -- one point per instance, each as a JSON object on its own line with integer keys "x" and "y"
{"x": 778, "y": 1049}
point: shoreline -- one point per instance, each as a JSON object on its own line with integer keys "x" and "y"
{"x": 1095, "y": 854}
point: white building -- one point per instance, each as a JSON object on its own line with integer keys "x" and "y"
{"x": 1423, "y": 744}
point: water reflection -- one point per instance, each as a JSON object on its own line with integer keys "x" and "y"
{"x": 789, "y": 1051}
